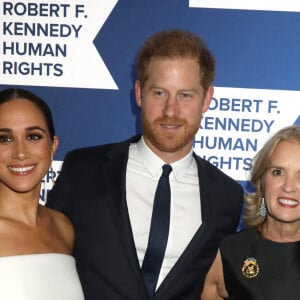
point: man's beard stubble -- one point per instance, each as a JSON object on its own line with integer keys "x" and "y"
{"x": 169, "y": 142}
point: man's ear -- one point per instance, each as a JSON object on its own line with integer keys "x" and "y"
{"x": 208, "y": 98}
{"x": 138, "y": 93}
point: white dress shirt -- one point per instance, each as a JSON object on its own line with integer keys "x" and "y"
{"x": 143, "y": 172}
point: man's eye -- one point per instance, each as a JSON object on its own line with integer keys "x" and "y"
{"x": 186, "y": 95}
{"x": 160, "y": 94}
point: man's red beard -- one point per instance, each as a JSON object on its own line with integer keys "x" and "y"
{"x": 169, "y": 141}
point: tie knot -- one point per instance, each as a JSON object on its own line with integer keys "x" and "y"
{"x": 167, "y": 169}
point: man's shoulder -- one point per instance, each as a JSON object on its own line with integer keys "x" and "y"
{"x": 94, "y": 151}
{"x": 211, "y": 172}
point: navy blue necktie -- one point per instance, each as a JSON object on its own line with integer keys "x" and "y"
{"x": 159, "y": 232}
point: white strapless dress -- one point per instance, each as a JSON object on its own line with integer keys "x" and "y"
{"x": 50, "y": 276}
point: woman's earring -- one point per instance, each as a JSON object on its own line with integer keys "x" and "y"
{"x": 52, "y": 175}
{"x": 263, "y": 209}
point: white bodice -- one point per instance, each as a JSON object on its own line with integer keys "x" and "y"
{"x": 50, "y": 276}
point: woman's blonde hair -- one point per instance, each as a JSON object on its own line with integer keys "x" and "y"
{"x": 260, "y": 164}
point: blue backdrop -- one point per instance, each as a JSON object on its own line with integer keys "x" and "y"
{"x": 257, "y": 55}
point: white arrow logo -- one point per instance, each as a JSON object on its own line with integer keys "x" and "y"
{"x": 51, "y": 44}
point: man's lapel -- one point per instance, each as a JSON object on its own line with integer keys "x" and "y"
{"x": 118, "y": 205}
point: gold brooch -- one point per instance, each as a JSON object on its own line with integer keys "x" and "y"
{"x": 250, "y": 268}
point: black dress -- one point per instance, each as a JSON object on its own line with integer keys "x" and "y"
{"x": 259, "y": 269}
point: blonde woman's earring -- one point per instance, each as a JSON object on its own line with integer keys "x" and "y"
{"x": 263, "y": 209}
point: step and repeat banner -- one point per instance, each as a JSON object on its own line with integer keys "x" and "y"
{"x": 79, "y": 57}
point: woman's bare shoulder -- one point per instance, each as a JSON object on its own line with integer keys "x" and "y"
{"x": 62, "y": 226}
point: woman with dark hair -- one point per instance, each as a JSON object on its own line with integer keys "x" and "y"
{"x": 262, "y": 262}
{"x": 36, "y": 242}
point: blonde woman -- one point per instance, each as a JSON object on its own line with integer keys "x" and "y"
{"x": 263, "y": 261}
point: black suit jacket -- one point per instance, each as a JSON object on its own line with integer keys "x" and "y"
{"x": 91, "y": 191}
